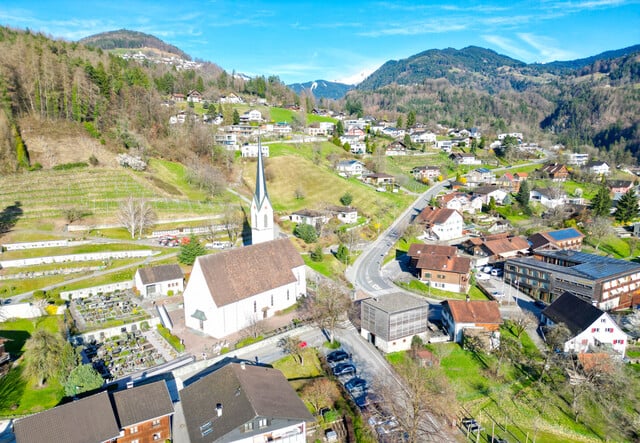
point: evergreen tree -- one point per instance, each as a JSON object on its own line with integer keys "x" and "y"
{"x": 82, "y": 378}
{"x": 342, "y": 254}
{"x": 627, "y": 207}
{"x": 305, "y": 232}
{"x": 346, "y": 199}
{"x": 316, "y": 255}
{"x": 236, "y": 117}
{"x": 411, "y": 119}
{"x": 190, "y": 251}
{"x": 522, "y": 197}
{"x": 601, "y": 203}
{"x": 339, "y": 128}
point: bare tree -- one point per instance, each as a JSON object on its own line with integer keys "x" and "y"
{"x": 328, "y": 307}
{"x": 425, "y": 395}
{"x": 521, "y": 321}
{"x": 136, "y": 215}
{"x": 599, "y": 229}
{"x": 292, "y": 346}
{"x": 73, "y": 214}
{"x": 232, "y": 221}
{"x": 320, "y": 393}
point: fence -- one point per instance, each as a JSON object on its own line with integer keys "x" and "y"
{"x": 75, "y": 257}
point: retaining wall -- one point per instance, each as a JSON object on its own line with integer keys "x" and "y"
{"x": 105, "y": 289}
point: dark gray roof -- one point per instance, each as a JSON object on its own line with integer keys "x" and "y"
{"x": 245, "y": 392}
{"x": 573, "y": 311}
{"x": 157, "y": 274}
{"x": 142, "y": 403}
{"x": 90, "y": 419}
{"x": 396, "y": 302}
{"x": 591, "y": 265}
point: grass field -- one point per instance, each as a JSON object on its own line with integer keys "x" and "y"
{"x": 17, "y": 397}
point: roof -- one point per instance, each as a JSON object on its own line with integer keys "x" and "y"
{"x": 591, "y": 164}
{"x": 379, "y": 175}
{"x": 264, "y": 266}
{"x": 431, "y": 215}
{"x": 157, "y": 274}
{"x": 503, "y": 245}
{"x": 457, "y": 265}
{"x": 396, "y": 302}
{"x": 142, "y": 403}
{"x": 474, "y": 311}
{"x": 619, "y": 183}
{"x": 418, "y": 249}
{"x": 564, "y": 234}
{"x": 244, "y": 392}
{"x": 483, "y": 170}
{"x": 349, "y": 163}
{"x": 574, "y": 312}
{"x": 308, "y": 213}
{"x": 90, "y": 419}
{"x": 554, "y": 168}
{"x": 484, "y": 190}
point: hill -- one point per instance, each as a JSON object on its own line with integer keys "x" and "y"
{"x": 125, "y": 39}
{"x": 322, "y": 89}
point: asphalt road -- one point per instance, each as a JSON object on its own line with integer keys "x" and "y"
{"x": 365, "y": 273}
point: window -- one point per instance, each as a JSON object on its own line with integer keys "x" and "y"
{"x": 262, "y": 423}
{"x": 248, "y": 426}
{"x": 603, "y": 320}
{"x": 287, "y": 294}
{"x": 255, "y": 306}
{"x": 133, "y": 429}
{"x": 608, "y": 330}
{"x": 135, "y": 441}
{"x": 156, "y": 422}
{"x": 266, "y": 221}
{"x": 156, "y": 436}
{"x": 271, "y": 299}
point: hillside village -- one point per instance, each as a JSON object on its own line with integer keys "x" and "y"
{"x": 347, "y": 278}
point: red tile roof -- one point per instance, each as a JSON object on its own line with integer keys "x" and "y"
{"x": 435, "y": 216}
{"x": 503, "y": 245}
{"x": 457, "y": 265}
{"x": 417, "y": 250}
{"x": 474, "y": 311}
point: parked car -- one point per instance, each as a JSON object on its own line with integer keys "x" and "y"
{"x": 481, "y": 276}
{"x": 487, "y": 269}
{"x": 497, "y": 294}
{"x": 361, "y": 401}
{"x": 496, "y": 272}
{"x": 337, "y": 356}
{"x": 344, "y": 369}
{"x": 356, "y": 384}
{"x": 471, "y": 425}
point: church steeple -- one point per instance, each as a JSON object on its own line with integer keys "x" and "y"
{"x": 261, "y": 209}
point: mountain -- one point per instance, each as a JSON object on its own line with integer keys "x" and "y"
{"x": 125, "y": 39}
{"x": 584, "y": 62}
{"x": 322, "y": 89}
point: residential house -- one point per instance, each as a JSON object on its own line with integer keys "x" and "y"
{"x": 460, "y": 202}
{"x": 568, "y": 238}
{"x": 480, "y": 177}
{"x": 355, "y": 132}
{"x": 555, "y": 171}
{"x": 605, "y": 282}
{"x": 440, "y": 266}
{"x": 520, "y": 177}
{"x": 251, "y": 151}
{"x": 229, "y": 141}
{"x": 282, "y": 129}
{"x": 396, "y": 148}
{"x": 160, "y": 280}
{"x": 577, "y": 158}
{"x": 619, "y": 187}
{"x": 390, "y": 321}
{"x": 591, "y": 328}
{"x": 486, "y": 193}
{"x": 141, "y": 413}
{"x": 423, "y": 137}
{"x": 393, "y": 132}
{"x": 441, "y": 223}
{"x": 548, "y": 197}
{"x": 242, "y": 402}
{"x": 194, "y": 96}
{"x": 232, "y": 99}
{"x": 444, "y": 145}
{"x": 345, "y": 214}
{"x": 350, "y": 168}
{"x": 495, "y": 248}
{"x": 460, "y": 315}
{"x": 251, "y": 116}
{"x": 508, "y": 182}
{"x": 517, "y": 135}
{"x": 598, "y": 168}
{"x": 422, "y": 173}
{"x": 379, "y": 178}
{"x": 177, "y": 97}
{"x": 463, "y": 158}
{"x": 231, "y": 290}
{"x": 358, "y": 148}
{"x": 309, "y": 217}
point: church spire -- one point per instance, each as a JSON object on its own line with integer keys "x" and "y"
{"x": 262, "y": 229}
{"x": 261, "y": 183}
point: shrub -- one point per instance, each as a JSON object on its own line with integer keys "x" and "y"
{"x": 172, "y": 339}
{"x": 144, "y": 325}
{"x": 305, "y": 232}
{"x": 346, "y": 199}
{"x": 91, "y": 129}
{"x": 67, "y": 166}
{"x": 129, "y": 161}
{"x": 93, "y": 160}
{"x": 316, "y": 254}
{"x": 35, "y": 167}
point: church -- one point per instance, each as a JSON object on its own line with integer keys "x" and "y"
{"x": 232, "y": 290}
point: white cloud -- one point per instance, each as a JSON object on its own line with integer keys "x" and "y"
{"x": 509, "y": 47}
{"x": 547, "y": 51}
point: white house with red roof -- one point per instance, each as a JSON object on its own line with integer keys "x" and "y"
{"x": 442, "y": 223}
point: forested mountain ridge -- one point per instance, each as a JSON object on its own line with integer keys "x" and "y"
{"x": 116, "y": 102}
{"x": 126, "y": 39}
{"x": 322, "y": 89}
{"x": 597, "y": 103}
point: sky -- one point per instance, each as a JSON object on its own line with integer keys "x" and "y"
{"x": 344, "y": 40}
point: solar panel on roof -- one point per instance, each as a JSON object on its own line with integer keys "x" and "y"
{"x": 564, "y": 234}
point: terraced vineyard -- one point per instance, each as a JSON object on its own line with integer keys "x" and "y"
{"x": 45, "y": 194}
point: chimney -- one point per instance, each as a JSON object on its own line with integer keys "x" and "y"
{"x": 468, "y": 298}
{"x": 242, "y": 365}
{"x": 130, "y": 384}
{"x": 219, "y": 409}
